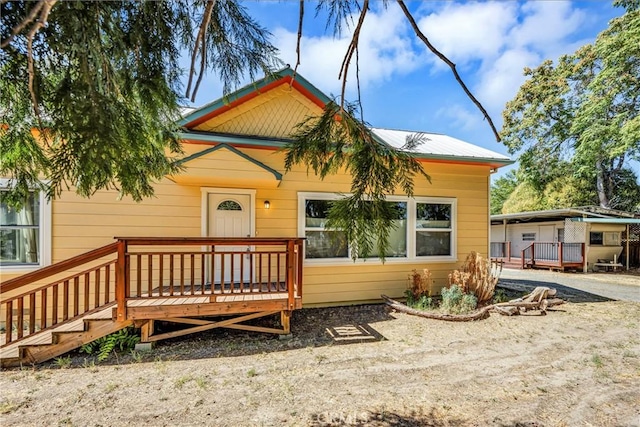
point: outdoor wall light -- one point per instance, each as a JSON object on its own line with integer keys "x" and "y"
{"x": 267, "y": 205}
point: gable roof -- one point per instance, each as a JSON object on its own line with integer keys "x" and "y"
{"x": 252, "y": 90}
{"x": 434, "y": 147}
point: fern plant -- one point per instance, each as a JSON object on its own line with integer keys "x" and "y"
{"x": 122, "y": 340}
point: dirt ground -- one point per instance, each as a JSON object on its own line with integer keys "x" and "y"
{"x": 577, "y": 366}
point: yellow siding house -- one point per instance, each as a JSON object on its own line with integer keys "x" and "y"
{"x": 234, "y": 185}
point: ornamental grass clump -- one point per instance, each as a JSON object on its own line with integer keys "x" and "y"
{"x": 476, "y": 276}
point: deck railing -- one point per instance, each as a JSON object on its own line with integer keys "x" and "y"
{"x": 553, "y": 254}
{"x": 149, "y": 267}
{"x": 500, "y": 250}
{"x": 62, "y": 299}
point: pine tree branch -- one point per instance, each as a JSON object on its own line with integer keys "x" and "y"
{"x": 26, "y": 21}
{"x": 451, "y": 65}
{"x": 353, "y": 46}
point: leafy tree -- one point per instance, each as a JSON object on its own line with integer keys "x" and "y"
{"x": 584, "y": 110}
{"x": 501, "y": 189}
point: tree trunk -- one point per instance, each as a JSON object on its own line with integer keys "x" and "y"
{"x": 601, "y": 185}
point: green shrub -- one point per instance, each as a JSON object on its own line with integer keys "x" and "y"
{"x": 454, "y": 301}
{"x": 422, "y": 303}
{"x": 500, "y": 296}
{"x": 122, "y": 340}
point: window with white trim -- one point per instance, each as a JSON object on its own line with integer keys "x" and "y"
{"x": 24, "y": 233}
{"x": 433, "y": 229}
{"x": 424, "y": 229}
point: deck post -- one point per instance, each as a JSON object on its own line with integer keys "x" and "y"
{"x": 122, "y": 281}
{"x": 508, "y": 250}
{"x": 290, "y": 275}
{"x": 560, "y": 258}
{"x": 299, "y": 266}
{"x": 146, "y": 331}
{"x": 285, "y": 320}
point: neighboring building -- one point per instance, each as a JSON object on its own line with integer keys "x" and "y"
{"x": 234, "y": 185}
{"x": 591, "y": 237}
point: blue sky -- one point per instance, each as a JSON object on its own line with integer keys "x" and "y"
{"x": 404, "y": 86}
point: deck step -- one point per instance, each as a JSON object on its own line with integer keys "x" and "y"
{"x": 61, "y": 338}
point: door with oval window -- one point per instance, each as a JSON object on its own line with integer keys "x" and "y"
{"x": 230, "y": 216}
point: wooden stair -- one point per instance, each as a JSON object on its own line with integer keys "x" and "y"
{"x": 61, "y": 338}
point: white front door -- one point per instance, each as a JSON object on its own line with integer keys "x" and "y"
{"x": 230, "y": 216}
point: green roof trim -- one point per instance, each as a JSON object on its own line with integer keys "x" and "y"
{"x": 234, "y": 150}
{"x": 252, "y": 87}
{"x": 279, "y": 143}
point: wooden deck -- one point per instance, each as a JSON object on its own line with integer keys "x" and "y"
{"x": 547, "y": 255}
{"x": 142, "y": 286}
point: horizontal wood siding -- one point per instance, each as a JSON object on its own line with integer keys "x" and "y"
{"x": 80, "y": 224}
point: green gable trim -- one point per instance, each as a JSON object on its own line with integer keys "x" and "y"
{"x": 252, "y": 87}
{"x": 232, "y": 139}
{"x": 234, "y": 150}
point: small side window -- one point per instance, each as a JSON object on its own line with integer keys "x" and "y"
{"x": 596, "y": 238}
{"x": 528, "y": 237}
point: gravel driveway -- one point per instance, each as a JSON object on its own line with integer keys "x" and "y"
{"x": 577, "y": 287}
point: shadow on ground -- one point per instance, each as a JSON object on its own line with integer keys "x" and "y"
{"x": 310, "y": 327}
{"x": 564, "y": 292}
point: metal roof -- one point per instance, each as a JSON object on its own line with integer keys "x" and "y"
{"x": 435, "y": 145}
{"x": 585, "y": 212}
{"x": 608, "y": 220}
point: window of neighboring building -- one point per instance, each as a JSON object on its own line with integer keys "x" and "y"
{"x": 24, "y": 233}
{"x": 528, "y": 237}
{"x": 424, "y": 228}
{"x": 596, "y": 238}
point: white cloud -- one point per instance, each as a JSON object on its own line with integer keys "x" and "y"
{"x": 496, "y": 40}
{"x": 384, "y": 50}
{"x": 469, "y": 31}
{"x": 502, "y": 79}
{"x": 460, "y": 117}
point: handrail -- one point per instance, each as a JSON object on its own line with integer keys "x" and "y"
{"x": 58, "y": 267}
{"x": 200, "y": 241}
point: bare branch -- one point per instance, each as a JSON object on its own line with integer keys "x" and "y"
{"x": 42, "y": 20}
{"x": 353, "y": 46}
{"x": 300, "y": 18}
{"x": 26, "y": 21}
{"x": 451, "y": 65}
{"x": 203, "y": 63}
{"x": 199, "y": 41}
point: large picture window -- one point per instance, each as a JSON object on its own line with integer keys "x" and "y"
{"x": 24, "y": 242}
{"x": 424, "y": 229}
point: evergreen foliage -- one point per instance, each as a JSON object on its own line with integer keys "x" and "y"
{"x": 376, "y": 169}
{"x": 105, "y": 87}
